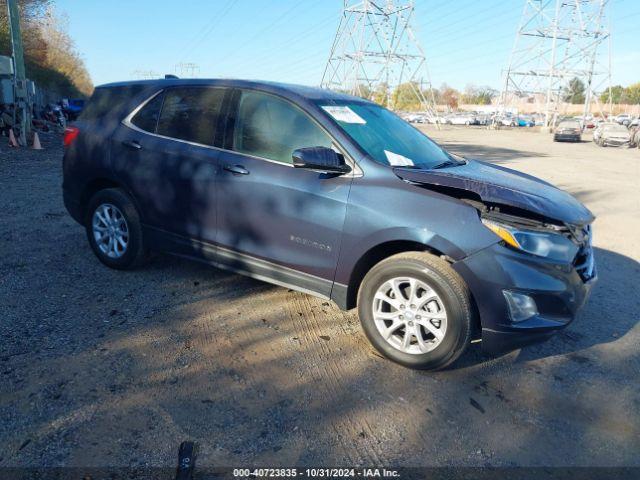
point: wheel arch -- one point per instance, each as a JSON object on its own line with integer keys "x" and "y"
{"x": 102, "y": 183}
{"x": 347, "y": 297}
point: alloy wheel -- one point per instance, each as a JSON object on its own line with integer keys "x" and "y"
{"x": 409, "y": 315}
{"x": 110, "y": 230}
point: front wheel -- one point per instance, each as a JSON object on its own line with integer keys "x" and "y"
{"x": 416, "y": 310}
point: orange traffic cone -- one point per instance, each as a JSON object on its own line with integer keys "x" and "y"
{"x": 12, "y": 139}
{"x": 36, "y": 142}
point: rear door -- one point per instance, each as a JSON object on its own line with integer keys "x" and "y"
{"x": 165, "y": 153}
{"x": 275, "y": 220}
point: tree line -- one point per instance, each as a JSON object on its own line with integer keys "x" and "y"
{"x": 52, "y": 60}
{"x": 406, "y": 95}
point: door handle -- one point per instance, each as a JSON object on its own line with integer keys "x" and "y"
{"x": 236, "y": 169}
{"x": 132, "y": 144}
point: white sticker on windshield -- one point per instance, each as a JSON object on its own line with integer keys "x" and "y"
{"x": 396, "y": 160}
{"x": 344, "y": 114}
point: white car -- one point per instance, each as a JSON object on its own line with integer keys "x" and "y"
{"x": 463, "y": 119}
{"x": 623, "y": 119}
{"x": 611, "y": 135}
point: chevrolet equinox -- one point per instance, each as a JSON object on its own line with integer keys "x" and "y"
{"x": 334, "y": 196}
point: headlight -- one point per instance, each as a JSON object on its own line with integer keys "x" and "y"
{"x": 543, "y": 244}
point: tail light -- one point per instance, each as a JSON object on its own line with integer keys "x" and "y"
{"x": 70, "y": 134}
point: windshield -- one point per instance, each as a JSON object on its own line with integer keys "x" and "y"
{"x": 387, "y": 138}
{"x": 569, "y": 125}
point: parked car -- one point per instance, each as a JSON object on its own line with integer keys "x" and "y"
{"x": 74, "y": 108}
{"x": 611, "y": 135}
{"x": 568, "y": 130}
{"x": 416, "y": 118}
{"x": 506, "y": 120}
{"x": 635, "y": 122}
{"x": 623, "y": 119}
{"x": 463, "y": 118}
{"x": 483, "y": 118}
{"x": 525, "y": 121}
{"x": 634, "y": 134}
{"x": 334, "y": 196}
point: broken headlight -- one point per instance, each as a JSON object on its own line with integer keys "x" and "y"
{"x": 552, "y": 245}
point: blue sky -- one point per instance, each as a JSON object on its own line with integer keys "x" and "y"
{"x": 466, "y": 41}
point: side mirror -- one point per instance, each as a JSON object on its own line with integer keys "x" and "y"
{"x": 321, "y": 159}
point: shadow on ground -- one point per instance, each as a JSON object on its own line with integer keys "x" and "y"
{"x": 487, "y": 153}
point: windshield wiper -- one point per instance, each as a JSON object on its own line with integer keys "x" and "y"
{"x": 448, "y": 163}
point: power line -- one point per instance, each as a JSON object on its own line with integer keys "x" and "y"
{"x": 206, "y": 31}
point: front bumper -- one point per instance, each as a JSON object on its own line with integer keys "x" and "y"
{"x": 611, "y": 142}
{"x": 558, "y": 290}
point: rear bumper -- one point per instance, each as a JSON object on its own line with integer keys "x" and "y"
{"x": 558, "y": 290}
{"x": 73, "y": 206}
{"x": 567, "y": 137}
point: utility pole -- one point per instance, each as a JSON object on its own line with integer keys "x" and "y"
{"x": 20, "y": 77}
{"x": 375, "y": 49}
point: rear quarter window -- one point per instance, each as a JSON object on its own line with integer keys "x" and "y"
{"x": 106, "y": 101}
{"x": 147, "y": 117}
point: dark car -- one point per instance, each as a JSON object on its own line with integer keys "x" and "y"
{"x": 568, "y": 131}
{"x": 74, "y": 108}
{"x": 334, "y": 196}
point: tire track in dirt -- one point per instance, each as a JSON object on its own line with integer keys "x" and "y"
{"x": 327, "y": 369}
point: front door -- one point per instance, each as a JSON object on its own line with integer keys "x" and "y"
{"x": 274, "y": 220}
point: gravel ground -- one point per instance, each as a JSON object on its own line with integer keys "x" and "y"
{"x": 103, "y": 368}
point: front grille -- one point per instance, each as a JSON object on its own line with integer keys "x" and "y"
{"x": 584, "y": 262}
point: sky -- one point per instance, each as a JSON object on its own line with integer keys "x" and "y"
{"x": 465, "y": 41}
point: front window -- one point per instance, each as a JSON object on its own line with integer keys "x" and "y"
{"x": 385, "y": 137}
{"x": 272, "y": 128}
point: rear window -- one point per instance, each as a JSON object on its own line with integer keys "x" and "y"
{"x": 191, "y": 114}
{"x": 108, "y": 100}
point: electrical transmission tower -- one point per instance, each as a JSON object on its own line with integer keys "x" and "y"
{"x": 145, "y": 74}
{"x": 375, "y": 51}
{"x": 191, "y": 69}
{"x": 557, "y": 41}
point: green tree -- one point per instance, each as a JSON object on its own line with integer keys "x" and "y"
{"x": 617, "y": 94}
{"x": 405, "y": 97}
{"x": 381, "y": 94}
{"x": 632, "y": 93}
{"x": 51, "y": 57}
{"x": 574, "y": 93}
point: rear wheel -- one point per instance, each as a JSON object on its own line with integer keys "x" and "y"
{"x": 114, "y": 230}
{"x": 416, "y": 310}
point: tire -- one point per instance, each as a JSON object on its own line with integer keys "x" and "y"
{"x": 121, "y": 211}
{"x": 453, "y": 302}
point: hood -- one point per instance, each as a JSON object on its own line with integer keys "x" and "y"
{"x": 621, "y": 135}
{"x": 503, "y": 186}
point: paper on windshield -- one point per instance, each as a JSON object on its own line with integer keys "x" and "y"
{"x": 397, "y": 160}
{"x": 344, "y": 114}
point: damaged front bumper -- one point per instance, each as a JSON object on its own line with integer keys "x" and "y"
{"x": 559, "y": 291}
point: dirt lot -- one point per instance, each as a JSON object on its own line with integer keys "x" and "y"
{"x": 105, "y": 368}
